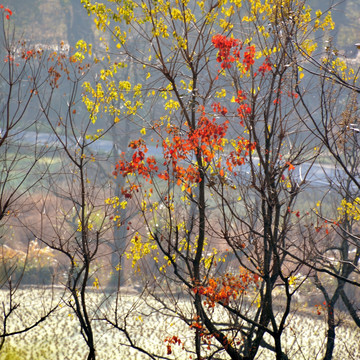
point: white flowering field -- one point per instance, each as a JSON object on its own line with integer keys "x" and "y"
{"x": 59, "y": 337}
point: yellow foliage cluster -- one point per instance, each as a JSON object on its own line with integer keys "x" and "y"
{"x": 339, "y": 67}
{"x": 350, "y": 210}
{"x": 115, "y": 202}
{"x": 172, "y": 23}
{"x": 139, "y": 249}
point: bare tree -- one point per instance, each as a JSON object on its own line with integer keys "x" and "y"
{"x": 335, "y": 247}
{"x": 75, "y": 215}
{"x": 21, "y": 152}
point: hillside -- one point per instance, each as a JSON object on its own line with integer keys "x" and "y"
{"x": 51, "y": 21}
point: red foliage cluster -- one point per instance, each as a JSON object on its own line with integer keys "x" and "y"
{"x": 240, "y": 97}
{"x": 179, "y": 146}
{"x": 237, "y": 157}
{"x": 265, "y": 67}
{"x": 229, "y": 52}
{"x": 137, "y": 164}
{"x": 208, "y": 136}
{"x": 225, "y": 45}
{"x": 244, "y": 109}
{"x": 127, "y": 193}
{"x": 249, "y": 57}
{"x": 219, "y": 109}
{"x": 326, "y": 225}
{"x": 202, "y": 141}
{"x": 174, "y": 152}
{"x": 224, "y": 289}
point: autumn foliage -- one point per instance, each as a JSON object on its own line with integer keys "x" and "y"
{"x": 227, "y": 287}
{"x": 206, "y": 199}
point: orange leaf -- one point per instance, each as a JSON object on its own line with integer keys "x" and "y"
{"x": 291, "y": 166}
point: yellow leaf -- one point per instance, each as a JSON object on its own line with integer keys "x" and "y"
{"x": 96, "y": 283}
{"x": 292, "y": 280}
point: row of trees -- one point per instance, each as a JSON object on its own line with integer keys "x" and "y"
{"x": 226, "y": 112}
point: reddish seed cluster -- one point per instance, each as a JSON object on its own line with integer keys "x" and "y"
{"x": 293, "y": 94}
{"x": 322, "y": 307}
{"x": 325, "y": 225}
{"x": 54, "y": 77}
{"x": 7, "y": 11}
{"x": 172, "y": 340}
{"x": 27, "y": 54}
{"x": 9, "y": 58}
{"x": 296, "y": 213}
